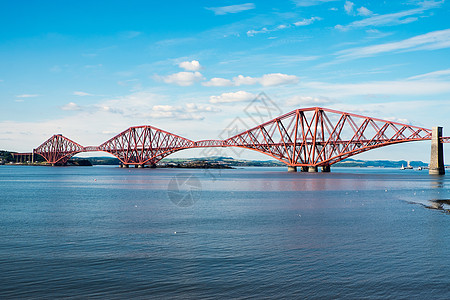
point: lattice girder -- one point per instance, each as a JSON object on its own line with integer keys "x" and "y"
{"x": 58, "y": 149}
{"x": 320, "y": 137}
{"x": 144, "y": 145}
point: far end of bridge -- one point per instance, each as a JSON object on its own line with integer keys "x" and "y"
{"x": 437, "y": 166}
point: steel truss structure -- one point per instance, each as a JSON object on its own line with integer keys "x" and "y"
{"x": 309, "y": 137}
{"x": 144, "y": 145}
{"x": 58, "y": 149}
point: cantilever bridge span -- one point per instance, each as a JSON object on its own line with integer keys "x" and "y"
{"x": 308, "y": 138}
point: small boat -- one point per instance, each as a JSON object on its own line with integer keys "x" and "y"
{"x": 419, "y": 169}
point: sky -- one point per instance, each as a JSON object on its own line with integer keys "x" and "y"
{"x": 91, "y": 69}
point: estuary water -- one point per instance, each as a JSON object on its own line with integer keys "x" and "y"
{"x": 111, "y": 233}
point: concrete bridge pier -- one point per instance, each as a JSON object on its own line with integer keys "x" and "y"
{"x": 304, "y": 169}
{"x": 436, "y": 166}
{"x": 312, "y": 169}
{"x": 292, "y": 169}
{"x": 326, "y": 169}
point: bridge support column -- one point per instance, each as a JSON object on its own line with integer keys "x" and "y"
{"x": 292, "y": 169}
{"x": 304, "y": 169}
{"x": 312, "y": 169}
{"x": 139, "y": 166}
{"x": 436, "y": 166}
{"x": 326, "y": 169}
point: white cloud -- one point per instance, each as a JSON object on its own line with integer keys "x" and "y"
{"x": 432, "y": 75}
{"x": 244, "y": 80}
{"x": 110, "y": 117}
{"x": 402, "y": 17}
{"x": 395, "y": 87}
{"x": 303, "y": 22}
{"x": 78, "y": 93}
{"x": 277, "y": 79}
{"x": 253, "y": 32}
{"x": 307, "y": 101}
{"x": 362, "y": 11}
{"x": 190, "y": 65}
{"x": 429, "y": 41}
{"x": 240, "y": 96}
{"x": 27, "y": 96}
{"x": 182, "y": 113}
{"x": 193, "y": 107}
{"x": 309, "y": 21}
{"x": 71, "y": 106}
{"x": 266, "y": 80}
{"x": 231, "y": 9}
{"x": 166, "y": 108}
{"x": 218, "y": 82}
{"x": 134, "y": 106}
{"x": 348, "y": 6}
{"x": 144, "y": 105}
{"x": 182, "y": 78}
{"x": 311, "y": 2}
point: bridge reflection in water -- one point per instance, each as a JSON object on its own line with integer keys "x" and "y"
{"x": 308, "y": 138}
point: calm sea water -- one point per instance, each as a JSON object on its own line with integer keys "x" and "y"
{"x": 107, "y": 233}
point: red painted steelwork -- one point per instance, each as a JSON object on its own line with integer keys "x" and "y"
{"x": 321, "y": 137}
{"x": 210, "y": 143}
{"x": 304, "y": 137}
{"x": 144, "y": 145}
{"x": 58, "y": 149}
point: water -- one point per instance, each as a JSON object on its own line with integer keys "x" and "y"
{"x": 107, "y": 233}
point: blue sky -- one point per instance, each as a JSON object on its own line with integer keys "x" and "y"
{"x": 90, "y": 69}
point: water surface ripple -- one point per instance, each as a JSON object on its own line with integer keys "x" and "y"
{"x": 111, "y": 233}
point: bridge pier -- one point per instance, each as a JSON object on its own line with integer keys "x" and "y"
{"x": 312, "y": 169}
{"x": 436, "y": 166}
{"x": 304, "y": 169}
{"x": 292, "y": 169}
{"x": 326, "y": 169}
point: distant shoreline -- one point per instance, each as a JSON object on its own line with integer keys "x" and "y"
{"x": 229, "y": 163}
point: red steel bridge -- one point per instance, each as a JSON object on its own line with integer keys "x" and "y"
{"x": 308, "y": 138}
